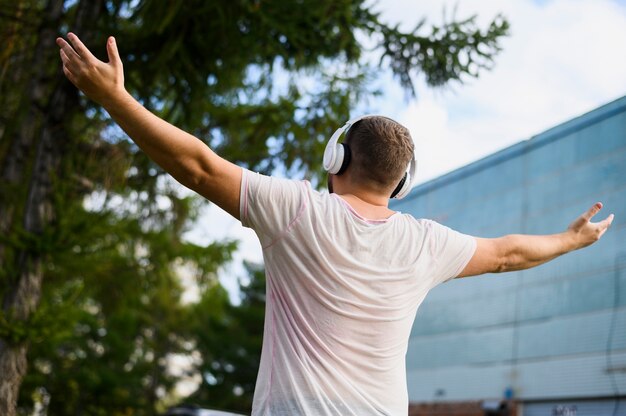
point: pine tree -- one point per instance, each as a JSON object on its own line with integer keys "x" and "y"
{"x": 83, "y": 211}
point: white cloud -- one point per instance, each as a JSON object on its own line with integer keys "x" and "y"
{"x": 563, "y": 58}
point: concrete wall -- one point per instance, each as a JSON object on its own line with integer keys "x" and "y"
{"x": 556, "y": 331}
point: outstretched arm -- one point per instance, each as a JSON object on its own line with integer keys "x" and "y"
{"x": 518, "y": 252}
{"x": 185, "y": 157}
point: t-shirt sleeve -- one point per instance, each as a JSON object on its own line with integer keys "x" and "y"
{"x": 270, "y": 205}
{"x": 451, "y": 251}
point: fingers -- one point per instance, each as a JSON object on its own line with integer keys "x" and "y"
{"x": 70, "y": 53}
{"x": 606, "y": 223}
{"x": 69, "y": 66}
{"x": 592, "y": 211}
{"x": 67, "y": 61}
{"x": 74, "y": 56}
{"x": 80, "y": 48}
{"x": 114, "y": 55}
{"x": 71, "y": 60}
{"x": 66, "y": 46}
{"x": 69, "y": 74}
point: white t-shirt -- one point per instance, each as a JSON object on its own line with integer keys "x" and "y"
{"x": 342, "y": 293}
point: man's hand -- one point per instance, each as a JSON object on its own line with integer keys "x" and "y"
{"x": 583, "y": 232}
{"x": 100, "y": 81}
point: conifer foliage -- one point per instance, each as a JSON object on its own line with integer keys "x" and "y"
{"x": 92, "y": 232}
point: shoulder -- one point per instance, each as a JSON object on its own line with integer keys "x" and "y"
{"x": 258, "y": 183}
{"x": 270, "y": 200}
{"x": 421, "y": 224}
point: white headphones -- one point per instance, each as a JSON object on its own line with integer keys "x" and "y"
{"x": 337, "y": 157}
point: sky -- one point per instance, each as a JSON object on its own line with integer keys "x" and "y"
{"x": 562, "y": 59}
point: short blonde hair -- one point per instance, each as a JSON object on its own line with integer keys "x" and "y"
{"x": 381, "y": 151}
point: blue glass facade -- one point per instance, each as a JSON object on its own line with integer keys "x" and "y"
{"x": 557, "y": 331}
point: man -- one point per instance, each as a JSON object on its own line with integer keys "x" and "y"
{"x": 345, "y": 274}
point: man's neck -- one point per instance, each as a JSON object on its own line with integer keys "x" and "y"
{"x": 368, "y": 206}
{"x": 366, "y": 202}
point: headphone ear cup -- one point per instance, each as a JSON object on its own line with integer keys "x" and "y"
{"x": 403, "y": 187}
{"x": 406, "y": 187}
{"x": 399, "y": 187}
{"x": 347, "y": 156}
{"x": 333, "y": 158}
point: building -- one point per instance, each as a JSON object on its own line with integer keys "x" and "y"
{"x": 551, "y": 339}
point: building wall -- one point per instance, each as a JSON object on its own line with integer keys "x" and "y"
{"x": 556, "y": 331}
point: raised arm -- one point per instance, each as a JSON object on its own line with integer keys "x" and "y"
{"x": 185, "y": 157}
{"x": 518, "y": 252}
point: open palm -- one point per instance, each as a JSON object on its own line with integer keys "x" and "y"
{"x": 586, "y": 232}
{"x": 96, "y": 79}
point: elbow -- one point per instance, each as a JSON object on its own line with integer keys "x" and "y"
{"x": 513, "y": 262}
{"x": 192, "y": 174}
{"x": 198, "y": 181}
{"x": 503, "y": 265}
{"x": 506, "y": 257}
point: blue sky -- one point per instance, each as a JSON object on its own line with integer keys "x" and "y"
{"x": 563, "y": 58}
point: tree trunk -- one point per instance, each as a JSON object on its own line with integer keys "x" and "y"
{"x": 50, "y": 101}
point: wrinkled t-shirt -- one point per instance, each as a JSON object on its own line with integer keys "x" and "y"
{"x": 342, "y": 293}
